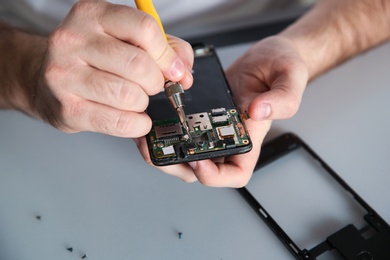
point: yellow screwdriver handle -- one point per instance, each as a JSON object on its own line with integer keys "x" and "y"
{"x": 148, "y": 7}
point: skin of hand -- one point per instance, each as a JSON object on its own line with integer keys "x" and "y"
{"x": 100, "y": 66}
{"x": 268, "y": 81}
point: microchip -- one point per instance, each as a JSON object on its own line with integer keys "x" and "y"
{"x": 169, "y": 130}
{"x": 226, "y": 131}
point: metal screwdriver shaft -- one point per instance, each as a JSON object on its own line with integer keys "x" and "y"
{"x": 175, "y": 93}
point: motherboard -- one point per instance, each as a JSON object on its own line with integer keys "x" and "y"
{"x": 215, "y": 130}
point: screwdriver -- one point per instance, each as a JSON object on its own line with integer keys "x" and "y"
{"x": 173, "y": 90}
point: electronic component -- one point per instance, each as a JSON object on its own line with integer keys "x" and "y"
{"x": 229, "y": 143}
{"x": 191, "y": 148}
{"x": 241, "y": 129}
{"x": 218, "y": 111}
{"x": 199, "y": 122}
{"x": 168, "y": 130}
{"x": 168, "y": 150}
{"x": 220, "y": 119}
{"x": 202, "y": 51}
{"x": 225, "y": 132}
{"x": 217, "y": 130}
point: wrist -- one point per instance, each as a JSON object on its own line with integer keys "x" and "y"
{"x": 310, "y": 52}
{"x": 334, "y": 31}
{"x": 23, "y": 55}
{"x": 33, "y": 57}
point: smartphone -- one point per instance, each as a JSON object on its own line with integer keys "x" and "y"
{"x": 217, "y": 127}
{"x": 314, "y": 213}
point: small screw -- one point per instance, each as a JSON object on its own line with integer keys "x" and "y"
{"x": 84, "y": 256}
{"x": 180, "y": 235}
{"x": 70, "y": 249}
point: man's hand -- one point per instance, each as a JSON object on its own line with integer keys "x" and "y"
{"x": 270, "y": 78}
{"x": 268, "y": 81}
{"x": 101, "y": 65}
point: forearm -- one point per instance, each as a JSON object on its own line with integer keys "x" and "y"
{"x": 21, "y": 56}
{"x": 335, "y": 30}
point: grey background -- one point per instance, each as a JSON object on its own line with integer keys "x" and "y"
{"x": 96, "y": 194}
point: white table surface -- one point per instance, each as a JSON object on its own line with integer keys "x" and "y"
{"x": 96, "y": 195}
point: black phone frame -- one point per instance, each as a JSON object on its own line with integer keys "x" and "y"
{"x": 349, "y": 242}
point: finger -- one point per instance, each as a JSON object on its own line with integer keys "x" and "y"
{"x": 140, "y": 29}
{"x": 227, "y": 174}
{"x": 126, "y": 61}
{"x": 181, "y": 171}
{"x": 284, "y": 97}
{"x": 234, "y": 171}
{"x": 108, "y": 89}
{"x": 80, "y": 115}
{"x": 186, "y": 54}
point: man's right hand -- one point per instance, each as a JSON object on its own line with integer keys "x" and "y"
{"x": 101, "y": 65}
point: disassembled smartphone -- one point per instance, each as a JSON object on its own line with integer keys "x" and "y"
{"x": 216, "y": 127}
{"x": 289, "y": 195}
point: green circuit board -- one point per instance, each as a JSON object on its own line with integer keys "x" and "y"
{"x": 218, "y": 129}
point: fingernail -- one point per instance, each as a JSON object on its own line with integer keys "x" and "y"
{"x": 177, "y": 69}
{"x": 263, "y": 111}
{"x": 193, "y": 165}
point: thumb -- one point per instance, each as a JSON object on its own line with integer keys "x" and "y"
{"x": 184, "y": 50}
{"x": 282, "y": 100}
{"x": 169, "y": 61}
